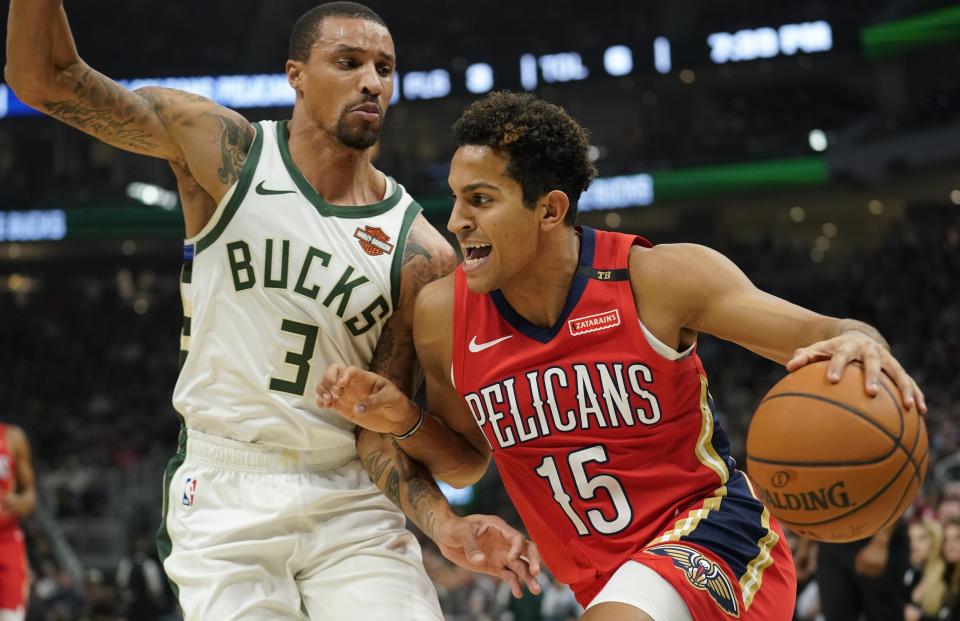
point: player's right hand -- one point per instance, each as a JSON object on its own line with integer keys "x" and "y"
{"x": 367, "y": 399}
{"x": 487, "y": 544}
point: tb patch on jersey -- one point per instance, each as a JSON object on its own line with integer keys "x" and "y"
{"x": 703, "y": 574}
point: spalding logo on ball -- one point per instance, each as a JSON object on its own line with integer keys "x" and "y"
{"x": 831, "y": 462}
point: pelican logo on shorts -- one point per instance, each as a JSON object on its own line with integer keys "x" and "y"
{"x": 373, "y": 240}
{"x": 703, "y": 574}
{"x": 594, "y": 323}
{"x": 189, "y": 492}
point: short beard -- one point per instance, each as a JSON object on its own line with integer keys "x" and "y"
{"x": 356, "y": 138}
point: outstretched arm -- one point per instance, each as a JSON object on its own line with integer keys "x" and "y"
{"x": 46, "y": 72}
{"x": 681, "y": 288}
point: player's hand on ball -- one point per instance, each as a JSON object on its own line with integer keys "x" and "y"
{"x": 852, "y": 346}
{"x": 369, "y": 400}
{"x": 487, "y": 544}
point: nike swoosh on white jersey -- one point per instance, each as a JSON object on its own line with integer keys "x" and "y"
{"x": 476, "y": 347}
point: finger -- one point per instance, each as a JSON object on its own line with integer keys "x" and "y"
{"x": 871, "y": 372}
{"x": 516, "y": 547}
{"x": 921, "y": 399}
{"x": 806, "y": 355}
{"x": 522, "y": 571}
{"x": 470, "y": 548}
{"x": 532, "y": 554}
{"x": 510, "y": 578}
{"x": 326, "y": 382}
{"x": 903, "y": 381}
{"x": 800, "y": 358}
{"x": 346, "y": 376}
{"x": 838, "y": 363}
{"x": 533, "y": 585}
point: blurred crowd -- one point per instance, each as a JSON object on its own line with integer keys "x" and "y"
{"x": 90, "y": 361}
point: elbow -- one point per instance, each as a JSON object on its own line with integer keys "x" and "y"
{"x": 27, "y": 89}
{"x": 34, "y": 87}
{"x": 467, "y": 474}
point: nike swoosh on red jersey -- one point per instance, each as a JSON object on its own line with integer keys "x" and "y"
{"x": 476, "y": 347}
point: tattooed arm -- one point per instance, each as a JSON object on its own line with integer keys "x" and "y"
{"x": 482, "y": 543}
{"x": 46, "y": 72}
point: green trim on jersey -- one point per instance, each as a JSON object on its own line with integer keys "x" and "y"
{"x": 325, "y": 208}
{"x": 396, "y": 268}
{"x": 243, "y": 184}
{"x": 164, "y": 544}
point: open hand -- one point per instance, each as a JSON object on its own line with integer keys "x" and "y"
{"x": 367, "y": 399}
{"x": 854, "y": 346}
{"x": 487, "y": 544}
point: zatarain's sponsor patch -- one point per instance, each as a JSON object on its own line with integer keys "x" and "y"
{"x": 594, "y": 323}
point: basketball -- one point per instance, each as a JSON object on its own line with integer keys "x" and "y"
{"x": 831, "y": 462}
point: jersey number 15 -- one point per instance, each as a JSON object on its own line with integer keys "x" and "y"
{"x": 587, "y": 490}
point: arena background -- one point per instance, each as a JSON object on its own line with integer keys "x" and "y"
{"x": 815, "y": 143}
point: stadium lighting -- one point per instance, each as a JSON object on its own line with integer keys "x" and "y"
{"x": 152, "y": 195}
{"x": 818, "y": 140}
{"x": 396, "y": 88}
{"x": 618, "y": 60}
{"x": 528, "y": 71}
{"x": 562, "y": 67}
{"x": 617, "y": 192}
{"x": 661, "y": 55}
{"x": 34, "y": 225}
{"x": 479, "y": 78}
{"x": 767, "y": 42}
{"x": 426, "y": 84}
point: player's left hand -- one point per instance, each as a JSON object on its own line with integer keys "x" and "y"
{"x": 487, "y": 544}
{"x": 854, "y": 346}
{"x": 871, "y": 560}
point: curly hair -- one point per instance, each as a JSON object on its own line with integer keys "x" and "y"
{"x": 545, "y": 148}
{"x": 307, "y": 28}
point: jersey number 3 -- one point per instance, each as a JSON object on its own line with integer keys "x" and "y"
{"x": 300, "y": 360}
{"x": 587, "y": 490}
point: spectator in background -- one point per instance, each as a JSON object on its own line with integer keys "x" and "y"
{"x": 948, "y": 510}
{"x": 141, "y": 582}
{"x": 864, "y": 577}
{"x": 951, "y": 555}
{"x": 808, "y": 592}
{"x": 926, "y": 576}
{"x": 558, "y": 603}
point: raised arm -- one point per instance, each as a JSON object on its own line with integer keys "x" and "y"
{"x": 681, "y": 289}
{"x": 22, "y": 501}
{"x": 46, "y": 72}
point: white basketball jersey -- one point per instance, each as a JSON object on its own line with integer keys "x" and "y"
{"x": 277, "y": 285}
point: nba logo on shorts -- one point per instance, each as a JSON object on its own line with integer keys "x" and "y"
{"x": 189, "y": 491}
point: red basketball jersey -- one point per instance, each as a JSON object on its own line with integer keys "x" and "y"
{"x": 608, "y": 448}
{"x": 7, "y": 478}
